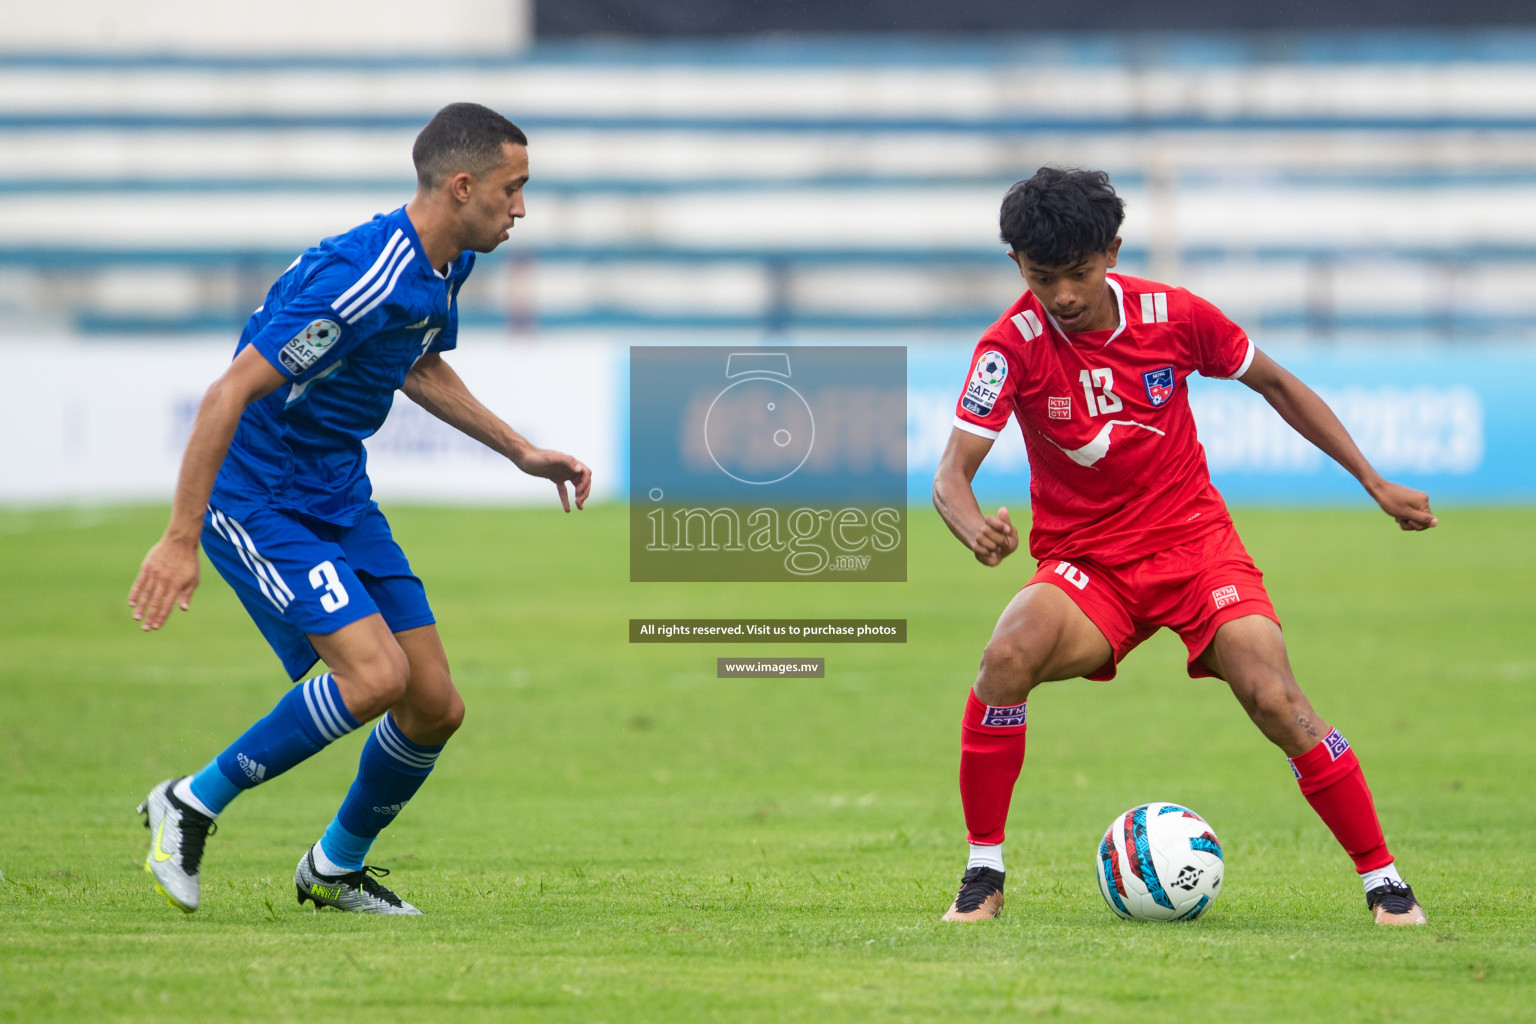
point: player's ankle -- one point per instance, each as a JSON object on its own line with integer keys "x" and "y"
{"x": 1380, "y": 876}
{"x": 986, "y": 855}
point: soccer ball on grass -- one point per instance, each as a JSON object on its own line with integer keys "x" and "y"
{"x": 1159, "y": 862}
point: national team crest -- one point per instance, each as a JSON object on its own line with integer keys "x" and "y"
{"x": 1160, "y": 384}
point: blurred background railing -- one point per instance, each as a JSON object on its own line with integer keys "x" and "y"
{"x": 1354, "y": 182}
{"x": 1327, "y": 189}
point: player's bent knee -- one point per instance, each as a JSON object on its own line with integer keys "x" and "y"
{"x": 1009, "y": 670}
{"x": 380, "y": 679}
{"x": 1274, "y": 703}
{"x": 453, "y": 715}
{"x": 443, "y": 712}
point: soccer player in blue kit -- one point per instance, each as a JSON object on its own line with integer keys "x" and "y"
{"x": 274, "y": 483}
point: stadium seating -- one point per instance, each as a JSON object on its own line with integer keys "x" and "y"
{"x": 1323, "y": 190}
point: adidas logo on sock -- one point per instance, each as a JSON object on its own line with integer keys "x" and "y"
{"x": 256, "y": 772}
{"x": 391, "y": 809}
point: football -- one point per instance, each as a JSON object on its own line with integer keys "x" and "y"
{"x": 1159, "y": 862}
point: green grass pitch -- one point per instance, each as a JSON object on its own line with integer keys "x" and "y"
{"x": 618, "y": 835}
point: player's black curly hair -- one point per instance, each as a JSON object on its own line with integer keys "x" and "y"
{"x": 1057, "y": 217}
{"x": 462, "y": 137}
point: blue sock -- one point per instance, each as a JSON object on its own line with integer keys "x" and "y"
{"x": 390, "y": 772}
{"x": 310, "y": 716}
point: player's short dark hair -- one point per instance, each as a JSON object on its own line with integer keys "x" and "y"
{"x": 1057, "y": 217}
{"x": 462, "y": 137}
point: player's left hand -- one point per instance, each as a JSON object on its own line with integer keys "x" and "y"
{"x": 1409, "y": 507}
{"x": 562, "y": 469}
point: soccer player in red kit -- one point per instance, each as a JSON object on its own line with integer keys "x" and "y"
{"x": 1128, "y": 531}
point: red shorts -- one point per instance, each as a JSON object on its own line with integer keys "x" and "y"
{"x": 1192, "y": 589}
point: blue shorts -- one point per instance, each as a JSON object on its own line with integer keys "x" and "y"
{"x": 297, "y": 576}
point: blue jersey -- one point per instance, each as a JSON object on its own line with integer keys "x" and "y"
{"x": 345, "y": 324}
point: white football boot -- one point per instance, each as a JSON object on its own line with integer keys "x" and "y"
{"x": 177, "y": 834}
{"x": 355, "y": 891}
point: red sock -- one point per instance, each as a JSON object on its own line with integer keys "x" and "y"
{"x": 1331, "y": 780}
{"x": 991, "y": 754}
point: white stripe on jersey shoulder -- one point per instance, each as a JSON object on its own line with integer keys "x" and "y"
{"x": 352, "y": 314}
{"x": 971, "y": 428}
{"x": 1028, "y": 324}
{"x": 362, "y": 282}
{"x": 398, "y": 258}
{"x": 1154, "y": 308}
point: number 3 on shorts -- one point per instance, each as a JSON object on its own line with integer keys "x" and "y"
{"x": 335, "y": 596}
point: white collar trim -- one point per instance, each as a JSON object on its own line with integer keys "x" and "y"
{"x": 1119, "y": 307}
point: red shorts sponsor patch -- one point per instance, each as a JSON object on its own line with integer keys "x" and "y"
{"x": 1192, "y": 589}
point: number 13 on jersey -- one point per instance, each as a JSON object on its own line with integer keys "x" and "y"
{"x": 1098, "y": 392}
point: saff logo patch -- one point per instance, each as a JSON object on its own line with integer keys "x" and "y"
{"x": 991, "y": 369}
{"x": 986, "y": 383}
{"x": 304, "y": 348}
{"x": 1160, "y": 384}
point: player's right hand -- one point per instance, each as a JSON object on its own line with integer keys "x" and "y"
{"x": 1409, "y": 507}
{"x": 998, "y": 538}
{"x": 168, "y": 577}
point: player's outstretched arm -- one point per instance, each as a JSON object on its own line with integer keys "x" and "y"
{"x": 990, "y": 538}
{"x": 169, "y": 573}
{"x": 433, "y": 385}
{"x": 1310, "y": 417}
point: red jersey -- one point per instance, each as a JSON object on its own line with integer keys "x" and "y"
{"x": 1116, "y": 471}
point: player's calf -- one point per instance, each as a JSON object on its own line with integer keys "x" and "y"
{"x": 392, "y": 769}
{"x": 1331, "y": 779}
{"x": 180, "y": 812}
